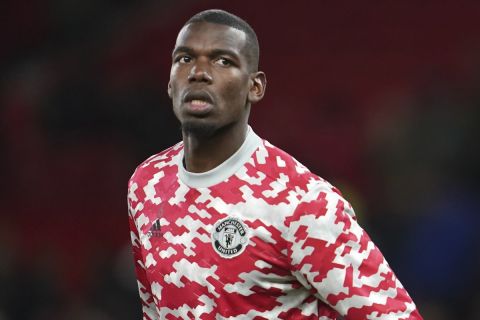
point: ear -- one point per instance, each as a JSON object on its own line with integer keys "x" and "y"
{"x": 169, "y": 90}
{"x": 257, "y": 87}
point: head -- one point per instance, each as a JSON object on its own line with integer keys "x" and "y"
{"x": 214, "y": 78}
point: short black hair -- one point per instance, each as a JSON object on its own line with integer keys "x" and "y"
{"x": 225, "y": 18}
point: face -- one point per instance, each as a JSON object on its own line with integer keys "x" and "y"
{"x": 210, "y": 85}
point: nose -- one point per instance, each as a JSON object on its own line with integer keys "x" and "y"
{"x": 200, "y": 72}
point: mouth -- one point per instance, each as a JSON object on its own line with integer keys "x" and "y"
{"x": 198, "y": 102}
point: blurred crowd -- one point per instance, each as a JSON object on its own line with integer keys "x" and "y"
{"x": 83, "y": 101}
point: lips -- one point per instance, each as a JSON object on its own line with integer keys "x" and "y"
{"x": 198, "y": 95}
{"x": 198, "y": 102}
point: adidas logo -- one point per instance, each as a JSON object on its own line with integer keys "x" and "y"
{"x": 155, "y": 229}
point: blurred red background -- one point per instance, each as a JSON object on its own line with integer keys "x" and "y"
{"x": 380, "y": 98}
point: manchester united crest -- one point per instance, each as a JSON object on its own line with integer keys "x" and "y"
{"x": 229, "y": 237}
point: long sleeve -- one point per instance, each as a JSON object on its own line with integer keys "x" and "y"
{"x": 148, "y": 305}
{"x": 334, "y": 257}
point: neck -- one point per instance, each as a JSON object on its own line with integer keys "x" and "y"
{"x": 205, "y": 153}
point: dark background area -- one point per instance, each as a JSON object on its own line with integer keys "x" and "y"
{"x": 381, "y": 98}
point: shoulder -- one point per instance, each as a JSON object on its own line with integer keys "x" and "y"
{"x": 298, "y": 177}
{"x": 277, "y": 164}
{"x": 309, "y": 194}
{"x": 157, "y": 164}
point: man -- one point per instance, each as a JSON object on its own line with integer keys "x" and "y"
{"x": 226, "y": 226}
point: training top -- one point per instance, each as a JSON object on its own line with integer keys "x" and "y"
{"x": 258, "y": 237}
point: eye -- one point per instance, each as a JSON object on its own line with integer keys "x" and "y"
{"x": 224, "y": 62}
{"x": 184, "y": 59}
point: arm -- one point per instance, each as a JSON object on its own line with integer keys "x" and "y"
{"x": 334, "y": 257}
{"x": 146, "y": 297}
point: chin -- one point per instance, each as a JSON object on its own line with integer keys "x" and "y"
{"x": 199, "y": 128}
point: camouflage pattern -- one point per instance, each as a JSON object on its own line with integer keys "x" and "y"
{"x": 259, "y": 237}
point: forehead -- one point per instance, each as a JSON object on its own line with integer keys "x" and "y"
{"x": 211, "y": 36}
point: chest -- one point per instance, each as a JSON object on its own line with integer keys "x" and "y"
{"x": 204, "y": 241}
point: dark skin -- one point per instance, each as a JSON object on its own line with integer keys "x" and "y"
{"x": 212, "y": 88}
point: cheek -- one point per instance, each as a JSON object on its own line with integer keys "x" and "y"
{"x": 236, "y": 90}
{"x": 175, "y": 94}
{"x": 175, "y": 75}
{"x": 175, "y": 97}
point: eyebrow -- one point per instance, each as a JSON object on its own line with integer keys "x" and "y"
{"x": 213, "y": 53}
{"x": 182, "y": 49}
{"x": 224, "y": 52}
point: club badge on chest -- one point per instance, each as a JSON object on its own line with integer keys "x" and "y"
{"x": 229, "y": 237}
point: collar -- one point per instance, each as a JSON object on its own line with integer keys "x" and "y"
{"x": 225, "y": 169}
